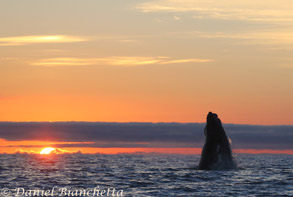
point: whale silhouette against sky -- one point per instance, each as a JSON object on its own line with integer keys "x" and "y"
{"x": 216, "y": 153}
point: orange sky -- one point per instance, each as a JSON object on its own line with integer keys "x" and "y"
{"x": 196, "y": 151}
{"x": 138, "y": 109}
{"x": 146, "y": 61}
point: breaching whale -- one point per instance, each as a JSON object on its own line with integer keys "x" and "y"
{"x": 216, "y": 153}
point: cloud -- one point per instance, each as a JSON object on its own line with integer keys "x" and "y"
{"x": 40, "y": 39}
{"x": 185, "y": 61}
{"x": 144, "y": 135}
{"x": 271, "y": 11}
{"x": 277, "y": 37}
{"x": 21, "y": 151}
{"x": 64, "y": 62}
{"x": 115, "y": 61}
{"x": 59, "y": 151}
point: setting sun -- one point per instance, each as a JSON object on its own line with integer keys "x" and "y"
{"x": 47, "y": 151}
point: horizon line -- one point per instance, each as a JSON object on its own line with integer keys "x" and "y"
{"x": 139, "y": 122}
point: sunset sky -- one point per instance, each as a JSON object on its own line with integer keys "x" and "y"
{"x": 146, "y": 61}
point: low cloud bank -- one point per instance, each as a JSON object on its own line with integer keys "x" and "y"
{"x": 173, "y": 135}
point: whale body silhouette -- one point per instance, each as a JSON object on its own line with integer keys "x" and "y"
{"x": 216, "y": 152}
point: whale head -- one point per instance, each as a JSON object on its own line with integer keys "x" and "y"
{"x": 213, "y": 129}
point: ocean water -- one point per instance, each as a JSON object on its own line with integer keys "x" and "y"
{"x": 143, "y": 175}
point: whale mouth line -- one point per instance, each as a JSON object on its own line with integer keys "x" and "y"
{"x": 216, "y": 152}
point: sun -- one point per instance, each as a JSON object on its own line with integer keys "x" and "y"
{"x": 47, "y": 151}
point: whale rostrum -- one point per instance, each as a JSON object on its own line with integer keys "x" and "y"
{"x": 216, "y": 153}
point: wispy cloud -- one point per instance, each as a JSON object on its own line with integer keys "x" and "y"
{"x": 266, "y": 37}
{"x": 115, "y": 61}
{"x": 274, "y": 11}
{"x": 25, "y": 40}
{"x": 64, "y": 62}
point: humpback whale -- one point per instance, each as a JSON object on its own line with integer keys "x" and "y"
{"x": 216, "y": 153}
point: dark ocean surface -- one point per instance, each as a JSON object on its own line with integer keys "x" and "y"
{"x": 142, "y": 175}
